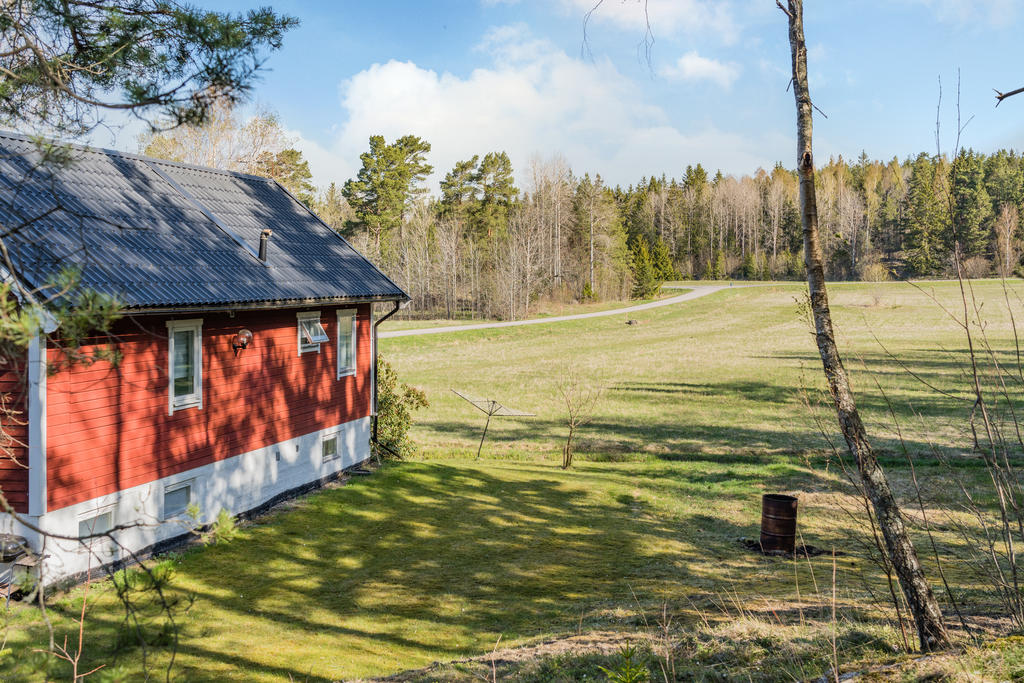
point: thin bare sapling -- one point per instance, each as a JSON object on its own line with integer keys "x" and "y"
{"x": 581, "y": 398}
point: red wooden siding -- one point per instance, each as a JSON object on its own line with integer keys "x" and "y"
{"x": 108, "y": 427}
{"x": 14, "y": 440}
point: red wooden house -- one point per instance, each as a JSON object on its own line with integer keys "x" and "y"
{"x": 247, "y": 350}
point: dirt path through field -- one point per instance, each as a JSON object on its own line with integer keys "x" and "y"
{"x": 694, "y": 293}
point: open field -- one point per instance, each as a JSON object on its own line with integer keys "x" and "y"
{"x": 435, "y": 559}
{"x": 719, "y": 375}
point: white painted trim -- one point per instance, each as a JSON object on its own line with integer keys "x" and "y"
{"x": 237, "y": 484}
{"x": 195, "y": 400}
{"x": 37, "y": 426}
{"x": 373, "y": 363}
{"x": 299, "y": 317}
{"x": 353, "y": 340}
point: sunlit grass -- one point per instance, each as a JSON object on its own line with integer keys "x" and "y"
{"x": 723, "y": 374}
{"x": 429, "y": 561}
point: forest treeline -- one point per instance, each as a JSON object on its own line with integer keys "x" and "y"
{"x": 489, "y": 247}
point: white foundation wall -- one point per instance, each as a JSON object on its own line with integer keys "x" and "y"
{"x": 237, "y": 484}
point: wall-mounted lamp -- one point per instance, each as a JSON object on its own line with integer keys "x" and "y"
{"x": 241, "y": 340}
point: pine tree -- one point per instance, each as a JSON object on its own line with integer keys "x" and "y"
{"x": 458, "y": 189}
{"x": 749, "y": 266}
{"x": 645, "y": 277}
{"x": 67, "y": 63}
{"x": 386, "y": 185}
{"x": 924, "y": 218}
{"x": 291, "y": 170}
{"x": 971, "y": 207}
{"x": 718, "y": 270}
{"x": 661, "y": 258}
{"x": 1004, "y": 179}
{"x": 496, "y": 188}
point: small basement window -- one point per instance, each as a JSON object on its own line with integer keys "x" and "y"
{"x": 177, "y": 498}
{"x": 311, "y": 332}
{"x": 346, "y": 342}
{"x": 329, "y": 447}
{"x": 185, "y": 364}
{"x": 97, "y": 524}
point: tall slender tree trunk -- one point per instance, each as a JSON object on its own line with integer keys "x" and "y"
{"x": 558, "y": 234}
{"x": 591, "y": 246}
{"x": 925, "y": 608}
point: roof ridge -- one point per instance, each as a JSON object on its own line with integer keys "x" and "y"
{"x": 136, "y": 157}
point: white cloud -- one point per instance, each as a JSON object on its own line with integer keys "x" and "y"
{"x": 532, "y": 98}
{"x": 665, "y": 16}
{"x": 693, "y": 67}
{"x": 960, "y": 12}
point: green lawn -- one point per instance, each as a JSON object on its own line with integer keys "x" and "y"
{"x": 718, "y": 375}
{"x": 434, "y": 561}
{"x": 436, "y": 558}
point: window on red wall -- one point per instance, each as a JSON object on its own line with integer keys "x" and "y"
{"x": 346, "y": 342}
{"x": 311, "y": 332}
{"x": 184, "y": 364}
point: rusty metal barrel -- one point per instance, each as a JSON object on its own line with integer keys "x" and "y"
{"x": 778, "y": 522}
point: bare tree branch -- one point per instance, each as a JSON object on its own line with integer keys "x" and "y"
{"x": 1000, "y": 96}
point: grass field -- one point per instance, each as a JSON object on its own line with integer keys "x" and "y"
{"x": 719, "y": 375}
{"x": 435, "y": 559}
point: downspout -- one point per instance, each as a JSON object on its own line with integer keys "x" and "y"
{"x": 373, "y": 370}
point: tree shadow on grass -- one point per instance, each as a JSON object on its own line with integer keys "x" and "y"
{"x": 433, "y": 561}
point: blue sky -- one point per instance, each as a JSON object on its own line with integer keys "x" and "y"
{"x": 477, "y": 76}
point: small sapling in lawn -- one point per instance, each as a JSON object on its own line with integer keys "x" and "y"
{"x": 581, "y": 398}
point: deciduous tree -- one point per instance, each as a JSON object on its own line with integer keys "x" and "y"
{"x": 901, "y": 552}
{"x": 258, "y": 146}
{"x": 332, "y": 208}
{"x": 1007, "y": 240}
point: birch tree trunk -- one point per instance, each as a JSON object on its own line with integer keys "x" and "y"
{"x": 925, "y": 608}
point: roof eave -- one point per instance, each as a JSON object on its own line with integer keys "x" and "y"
{"x": 261, "y": 305}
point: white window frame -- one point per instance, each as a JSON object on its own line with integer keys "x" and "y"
{"x": 344, "y": 315}
{"x": 303, "y": 346}
{"x": 190, "y": 484}
{"x": 93, "y": 545}
{"x": 336, "y": 437}
{"x": 95, "y": 513}
{"x": 195, "y": 399}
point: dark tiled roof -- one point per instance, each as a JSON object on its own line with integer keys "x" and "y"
{"x": 160, "y": 235}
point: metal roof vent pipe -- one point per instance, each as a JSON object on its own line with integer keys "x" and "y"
{"x": 264, "y": 238}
